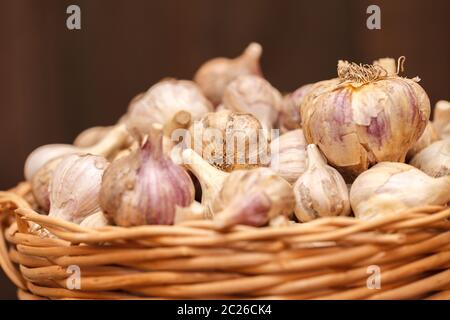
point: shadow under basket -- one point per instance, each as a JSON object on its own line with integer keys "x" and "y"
{"x": 398, "y": 256}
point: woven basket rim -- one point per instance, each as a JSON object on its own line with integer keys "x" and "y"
{"x": 416, "y": 238}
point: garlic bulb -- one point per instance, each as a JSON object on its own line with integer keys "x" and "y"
{"x": 428, "y": 137}
{"x": 230, "y": 140}
{"x": 441, "y": 119}
{"x": 434, "y": 160}
{"x": 290, "y": 118}
{"x": 91, "y": 136}
{"x": 215, "y": 75}
{"x": 255, "y": 95}
{"x": 112, "y": 142}
{"x": 252, "y": 197}
{"x": 390, "y": 187}
{"x": 146, "y": 186}
{"x": 95, "y": 220}
{"x": 320, "y": 191}
{"x": 366, "y": 117}
{"x": 75, "y": 186}
{"x": 40, "y": 183}
{"x": 288, "y": 155}
{"x": 171, "y": 103}
{"x": 195, "y": 211}
{"x": 210, "y": 178}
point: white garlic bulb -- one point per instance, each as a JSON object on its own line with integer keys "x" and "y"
{"x": 320, "y": 191}
{"x": 215, "y": 75}
{"x": 434, "y": 160}
{"x": 95, "y": 220}
{"x": 441, "y": 119}
{"x": 171, "y": 103}
{"x": 428, "y": 137}
{"x": 390, "y": 187}
{"x": 255, "y": 95}
{"x": 288, "y": 155}
{"x": 112, "y": 141}
{"x": 75, "y": 187}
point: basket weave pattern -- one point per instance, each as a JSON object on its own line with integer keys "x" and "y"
{"x": 324, "y": 259}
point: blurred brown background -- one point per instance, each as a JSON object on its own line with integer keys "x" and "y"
{"x": 55, "y": 82}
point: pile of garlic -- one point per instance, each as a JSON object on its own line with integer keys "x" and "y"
{"x": 175, "y": 155}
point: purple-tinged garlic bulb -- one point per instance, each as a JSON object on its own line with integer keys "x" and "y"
{"x": 75, "y": 186}
{"x": 290, "y": 118}
{"x": 255, "y": 95}
{"x": 215, "y": 75}
{"x": 365, "y": 117}
{"x": 145, "y": 187}
{"x": 252, "y": 197}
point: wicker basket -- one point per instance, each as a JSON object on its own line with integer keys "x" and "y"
{"x": 329, "y": 258}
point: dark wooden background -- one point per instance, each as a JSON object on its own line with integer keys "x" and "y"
{"x": 55, "y": 82}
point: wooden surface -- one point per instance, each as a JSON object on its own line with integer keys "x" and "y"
{"x": 55, "y": 82}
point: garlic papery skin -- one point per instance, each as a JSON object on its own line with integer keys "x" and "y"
{"x": 391, "y": 187}
{"x": 290, "y": 118}
{"x": 428, "y": 137}
{"x": 320, "y": 191}
{"x": 215, "y": 75}
{"x": 434, "y": 160}
{"x": 115, "y": 139}
{"x": 195, "y": 211}
{"x": 366, "y": 117}
{"x": 75, "y": 187}
{"x": 441, "y": 119}
{"x": 288, "y": 155}
{"x": 388, "y": 64}
{"x": 171, "y": 103}
{"x": 40, "y": 183}
{"x": 95, "y": 220}
{"x": 146, "y": 186}
{"x": 91, "y": 136}
{"x": 230, "y": 140}
{"x": 255, "y": 95}
{"x": 210, "y": 178}
{"x": 252, "y": 197}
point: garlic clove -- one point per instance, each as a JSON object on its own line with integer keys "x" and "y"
{"x": 255, "y": 95}
{"x": 427, "y": 138}
{"x": 434, "y": 160}
{"x": 95, "y": 220}
{"x": 390, "y": 187}
{"x": 195, "y": 211}
{"x": 210, "y": 178}
{"x": 146, "y": 186}
{"x": 215, "y": 75}
{"x": 253, "y": 197}
{"x": 40, "y": 183}
{"x": 40, "y": 156}
{"x": 320, "y": 191}
{"x": 115, "y": 139}
{"x": 91, "y": 136}
{"x": 288, "y": 155}
{"x": 388, "y": 64}
{"x": 441, "y": 119}
{"x": 75, "y": 186}
{"x": 252, "y": 209}
{"x": 290, "y": 118}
